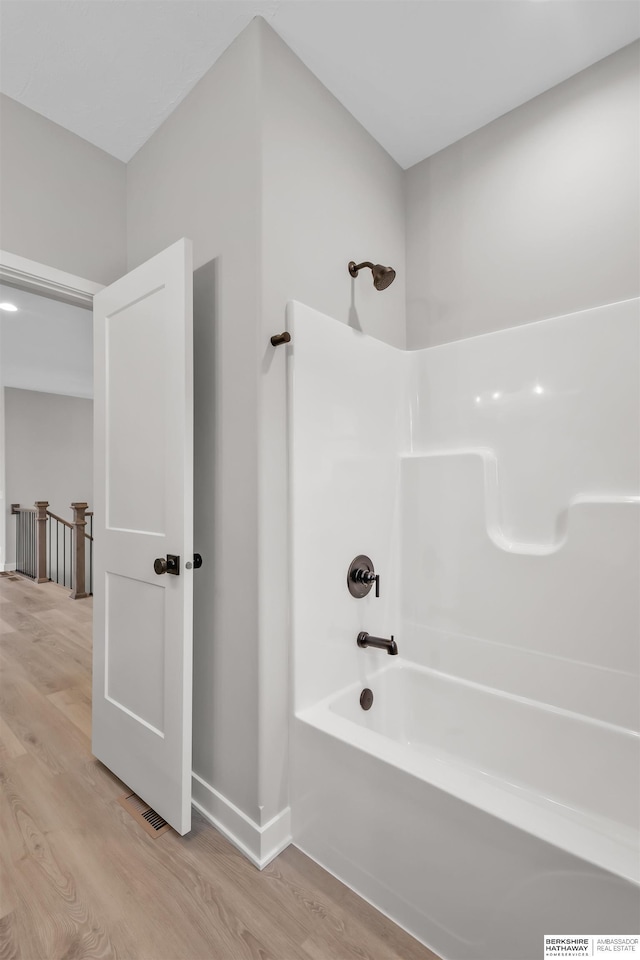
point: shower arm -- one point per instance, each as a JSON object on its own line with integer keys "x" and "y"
{"x": 354, "y": 267}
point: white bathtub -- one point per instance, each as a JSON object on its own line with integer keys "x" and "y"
{"x": 477, "y": 820}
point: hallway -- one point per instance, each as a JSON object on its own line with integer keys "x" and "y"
{"x": 80, "y": 879}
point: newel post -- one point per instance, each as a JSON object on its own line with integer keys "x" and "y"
{"x": 79, "y": 523}
{"x": 41, "y": 540}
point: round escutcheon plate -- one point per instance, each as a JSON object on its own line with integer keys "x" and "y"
{"x": 356, "y": 587}
{"x": 366, "y": 698}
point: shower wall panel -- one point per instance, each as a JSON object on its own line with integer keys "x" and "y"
{"x": 347, "y": 431}
{"x": 521, "y": 517}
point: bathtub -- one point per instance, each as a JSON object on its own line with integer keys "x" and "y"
{"x": 477, "y": 820}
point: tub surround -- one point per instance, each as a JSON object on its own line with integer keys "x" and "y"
{"x": 526, "y": 441}
{"x": 494, "y": 482}
{"x": 508, "y": 756}
{"x": 467, "y": 883}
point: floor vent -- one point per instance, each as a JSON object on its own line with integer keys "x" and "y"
{"x": 150, "y": 821}
{"x": 154, "y": 819}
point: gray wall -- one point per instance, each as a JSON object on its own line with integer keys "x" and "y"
{"x": 330, "y": 194}
{"x": 199, "y": 176}
{"x": 533, "y": 216}
{"x": 48, "y": 451}
{"x": 62, "y": 200}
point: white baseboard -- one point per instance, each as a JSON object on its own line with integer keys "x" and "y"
{"x": 7, "y": 567}
{"x": 258, "y": 844}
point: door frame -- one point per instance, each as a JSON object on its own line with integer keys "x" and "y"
{"x": 47, "y": 281}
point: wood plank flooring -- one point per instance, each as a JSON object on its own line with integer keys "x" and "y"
{"x": 78, "y": 877}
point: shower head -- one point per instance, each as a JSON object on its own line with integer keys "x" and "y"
{"x": 382, "y": 276}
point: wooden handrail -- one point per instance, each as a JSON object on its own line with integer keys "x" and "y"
{"x": 16, "y": 508}
{"x": 54, "y": 516}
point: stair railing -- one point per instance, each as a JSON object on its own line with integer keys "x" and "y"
{"x": 43, "y": 540}
{"x": 26, "y": 561}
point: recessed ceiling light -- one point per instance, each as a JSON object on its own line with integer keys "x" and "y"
{"x": 9, "y": 307}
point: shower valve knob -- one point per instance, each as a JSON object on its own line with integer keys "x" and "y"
{"x": 366, "y": 576}
{"x": 361, "y": 576}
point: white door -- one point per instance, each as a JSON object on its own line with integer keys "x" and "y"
{"x": 143, "y": 491}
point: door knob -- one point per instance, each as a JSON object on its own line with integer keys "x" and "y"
{"x": 170, "y": 565}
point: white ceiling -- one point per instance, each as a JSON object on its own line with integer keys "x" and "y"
{"x": 45, "y": 345}
{"x": 418, "y": 74}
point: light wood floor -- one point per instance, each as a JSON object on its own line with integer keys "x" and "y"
{"x": 80, "y": 879}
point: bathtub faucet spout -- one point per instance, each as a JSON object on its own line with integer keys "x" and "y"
{"x": 366, "y": 640}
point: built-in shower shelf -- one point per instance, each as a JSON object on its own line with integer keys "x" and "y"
{"x": 493, "y": 500}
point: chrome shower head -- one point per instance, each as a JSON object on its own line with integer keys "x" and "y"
{"x": 382, "y": 276}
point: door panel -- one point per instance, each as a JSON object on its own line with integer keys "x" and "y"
{"x": 143, "y": 488}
